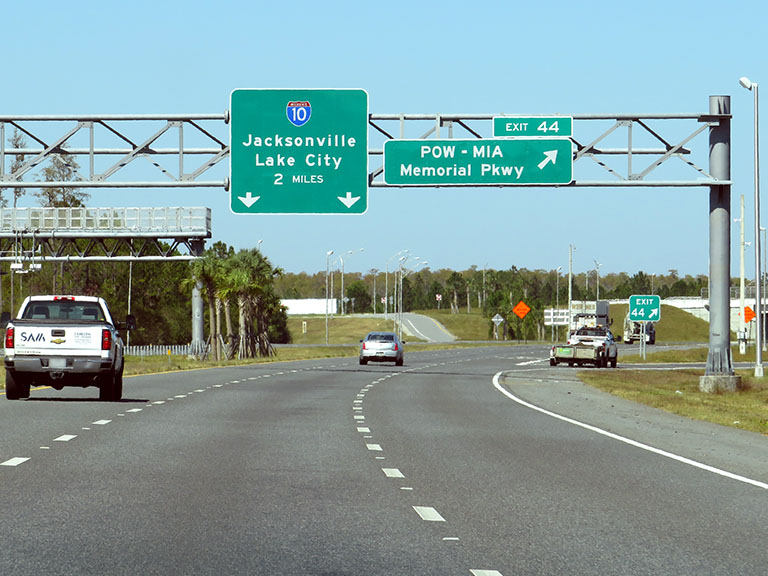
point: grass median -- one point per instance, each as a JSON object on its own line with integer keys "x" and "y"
{"x": 677, "y": 391}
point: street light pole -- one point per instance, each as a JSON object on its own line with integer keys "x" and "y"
{"x": 742, "y": 320}
{"x": 557, "y": 295}
{"x": 752, "y": 86}
{"x": 571, "y": 248}
{"x": 386, "y": 284}
{"x": 327, "y": 270}
{"x": 597, "y": 275}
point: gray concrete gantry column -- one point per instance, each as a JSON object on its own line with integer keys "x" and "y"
{"x": 197, "y": 346}
{"x": 719, "y": 375}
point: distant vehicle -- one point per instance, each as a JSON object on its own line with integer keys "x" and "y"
{"x": 633, "y": 331}
{"x": 589, "y": 345}
{"x": 381, "y": 347}
{"x": 590, "y": 313}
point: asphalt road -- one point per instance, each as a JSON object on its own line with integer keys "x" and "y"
{"x": 479, "y": 462}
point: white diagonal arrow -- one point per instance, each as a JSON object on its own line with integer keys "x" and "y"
{"x": 348, "y": 200}
{"x": 653, "y": 313}
{"x": 249, "y": 199}
{"x": 550, "y": 156}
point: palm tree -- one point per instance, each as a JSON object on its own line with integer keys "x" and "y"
{"x": 248, "y": 279}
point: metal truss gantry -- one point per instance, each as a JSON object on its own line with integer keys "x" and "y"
{"x": 118, "y": 234}
{"x": 191, "y": 145}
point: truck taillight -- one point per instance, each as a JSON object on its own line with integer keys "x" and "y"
{"x": 9, "y": 340}
{"x": 106, "y": 339}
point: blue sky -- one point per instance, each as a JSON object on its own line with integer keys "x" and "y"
{"x": 418, "y": 57}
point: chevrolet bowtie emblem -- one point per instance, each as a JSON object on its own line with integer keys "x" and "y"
{"x": 58, "y": 340}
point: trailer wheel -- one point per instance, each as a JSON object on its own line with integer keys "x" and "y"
{"x": 552, "y": 362}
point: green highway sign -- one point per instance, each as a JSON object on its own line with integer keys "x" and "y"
{"x": 299, "y": 151}
{"x": 532, "y": 126}
{"x": 645, "y": 308}
{"x": 478, "y": 162}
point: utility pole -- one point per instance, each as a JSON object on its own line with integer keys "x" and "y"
{"x": 742, "y": 321}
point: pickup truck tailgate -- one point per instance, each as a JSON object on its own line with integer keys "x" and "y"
{"x": 72, "y": 340}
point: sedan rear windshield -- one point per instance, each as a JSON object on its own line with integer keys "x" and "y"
{"x": 382, "y": 337}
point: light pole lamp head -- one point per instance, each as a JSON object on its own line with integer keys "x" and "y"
{"x": 746, "y": 82}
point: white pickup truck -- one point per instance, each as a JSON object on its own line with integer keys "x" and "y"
{"x": 64, "y": 341}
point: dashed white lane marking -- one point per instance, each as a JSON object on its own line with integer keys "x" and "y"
{"x": 629, "y": 441}
{"x": 485, "y": 573}
{"x": 363, "y": 429}
{"x": 159, "y": 402}
{"x": 359, "y": 417}
{"x": 134, "y": 410}
{"x": 374, "y": 447}
{"x": 101, "y": 422}
{"x": 65, "y": 438}
{"x": 428, "y": 514}
{"x": 14, "y": 461}
{"x": 392, "y": 473}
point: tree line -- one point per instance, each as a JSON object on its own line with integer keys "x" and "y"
{"x": 487, "y": 291}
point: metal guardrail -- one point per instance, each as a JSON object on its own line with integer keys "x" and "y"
{"x": 159, "y": 350}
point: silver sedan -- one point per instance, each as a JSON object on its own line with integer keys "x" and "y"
{"x": 381, "y": 347}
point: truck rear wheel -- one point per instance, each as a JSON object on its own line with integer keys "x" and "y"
{"x": 15, "y": 386}
{"x": 111, "y": 388}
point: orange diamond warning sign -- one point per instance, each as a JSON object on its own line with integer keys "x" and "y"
{"x": 521, "y": 309}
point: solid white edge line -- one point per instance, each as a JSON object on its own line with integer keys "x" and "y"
{"x": 413, "y": 327}
{"x": 629, "y": 441}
